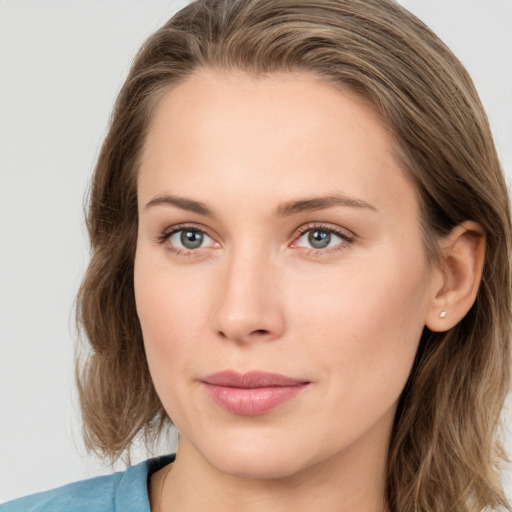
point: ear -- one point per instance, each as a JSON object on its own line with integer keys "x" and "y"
{"x": 459, "y": 272}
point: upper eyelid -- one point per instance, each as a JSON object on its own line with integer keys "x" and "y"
{"x": 186, "y": 225}
{"x": 301, "y": 229}
{"x": 322, "y": 226}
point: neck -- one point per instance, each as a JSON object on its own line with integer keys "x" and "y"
{"x": 350, "y": 481}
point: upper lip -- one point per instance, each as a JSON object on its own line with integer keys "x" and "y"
{"x": 252, "y": 379}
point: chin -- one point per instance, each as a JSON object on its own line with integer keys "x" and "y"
{"x": 257, "y": 458}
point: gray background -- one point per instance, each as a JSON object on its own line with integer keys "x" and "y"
{"x": 61, "y": 65}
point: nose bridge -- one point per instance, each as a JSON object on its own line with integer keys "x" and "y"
{"x": 249, "y": 307}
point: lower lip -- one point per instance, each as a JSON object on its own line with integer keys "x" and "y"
{"x": 251, "y": 401}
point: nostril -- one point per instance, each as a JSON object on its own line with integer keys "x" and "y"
{"x": 257, "y": 332}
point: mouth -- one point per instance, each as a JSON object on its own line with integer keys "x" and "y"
{"x": 253, "y": 393}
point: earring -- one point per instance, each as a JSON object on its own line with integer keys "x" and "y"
{"x": 442, "y": 314}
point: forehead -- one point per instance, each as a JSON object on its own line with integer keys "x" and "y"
{"x": 285, "y": 134}
{"x": 287, "y": 107}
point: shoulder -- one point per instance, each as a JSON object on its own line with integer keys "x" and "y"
{"x": 124, "y": 491}
{"x": 94, "y": 494}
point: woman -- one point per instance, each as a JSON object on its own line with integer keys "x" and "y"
{"x": 300, "y": 236}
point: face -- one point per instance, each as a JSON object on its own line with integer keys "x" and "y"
{"x": 280, "y": 277}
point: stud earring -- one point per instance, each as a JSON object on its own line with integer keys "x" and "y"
{"x": 442, "y": 314}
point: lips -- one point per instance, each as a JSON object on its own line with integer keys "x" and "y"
{"x": 253, "y": 393}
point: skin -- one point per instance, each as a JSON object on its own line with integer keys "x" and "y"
{"x": 257, "y": 296}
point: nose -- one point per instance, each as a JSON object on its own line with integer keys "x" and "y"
{"x": 249, "y": 306}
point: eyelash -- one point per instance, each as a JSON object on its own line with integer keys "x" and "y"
{"x": 346, "y": 237}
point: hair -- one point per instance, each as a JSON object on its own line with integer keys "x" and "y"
{"x": 444, "y": 452}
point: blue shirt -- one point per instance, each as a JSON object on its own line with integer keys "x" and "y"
{"x": 125, "y": 491}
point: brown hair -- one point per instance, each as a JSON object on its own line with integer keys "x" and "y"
{"x": 444, "y": 452}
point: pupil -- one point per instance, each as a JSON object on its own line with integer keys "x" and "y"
{"x": 191, "y": 239}
{"x": 319, "y": 239}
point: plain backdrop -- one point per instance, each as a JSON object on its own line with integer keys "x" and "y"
{"x": 61, "y": 66}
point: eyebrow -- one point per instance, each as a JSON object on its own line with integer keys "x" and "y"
{"x": 320, "y": 203}
{"x": 183, "y": 203}
{"x": 283, "y": 210}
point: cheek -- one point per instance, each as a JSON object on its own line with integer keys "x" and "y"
{"x": 364, "y": 326}
{"x": 167, "y": 305}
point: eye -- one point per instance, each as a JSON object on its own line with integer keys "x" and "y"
{"x": 186, "y": 239}
{"x": 320, "y": 238}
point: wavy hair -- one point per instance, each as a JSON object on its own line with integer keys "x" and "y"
{"x": 444, "y": 452}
